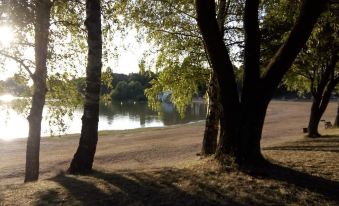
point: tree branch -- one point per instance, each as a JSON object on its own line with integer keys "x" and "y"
{"x": 252, "y": 49}
{"x": 20, "y": 61}
{"x": 178, "y": 10}
{"x": 283, "y": 59}
{"x": 222, "y": 13}
{"x": 175, "y": 33}
{"x": 218, "y": 53}
{"x": 327, "y": 94}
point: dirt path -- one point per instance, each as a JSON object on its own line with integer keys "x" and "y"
{"x": 149, "y": 147}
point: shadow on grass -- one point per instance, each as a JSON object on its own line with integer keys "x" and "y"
{"x": 169, "y": 186}
{"x": 135, "y": 189}
{"x": 327, "y": 188}
{"x": 1, "y": 199}
{"x": 321, "y": 144}
{"x": 162, "y": 187}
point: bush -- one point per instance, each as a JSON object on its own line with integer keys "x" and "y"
{"x": 132, "y": 91}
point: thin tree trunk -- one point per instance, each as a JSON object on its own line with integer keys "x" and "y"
{"x": 319, "y": 105}
{"x": 210, "y": 139}
{"x": 336, "y": 121}
{"x": 43, "y": 11}
{"x": 314, "y": 119}
{"x": 83, "y": 158}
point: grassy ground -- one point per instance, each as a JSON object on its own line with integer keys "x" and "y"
{"x": 304, "y": 172}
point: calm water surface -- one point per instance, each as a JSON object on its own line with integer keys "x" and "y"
{"x": 115, "y": 116}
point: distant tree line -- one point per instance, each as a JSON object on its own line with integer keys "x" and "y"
{"x": 123, "y": 87}
{"x": 129, "y": 87}
{"x": 15, "y": 85}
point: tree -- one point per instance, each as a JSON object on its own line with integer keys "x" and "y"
{"x": 41, "y": 29}
{"x": 243, "y": 114}
{"x": 83, "y": 158}
{"x": 317, "y": 65}
{"x": 171, "y": 26}
{"x": 25, "y": 19}
{"x": 210, "y": 140}
{"x": 181, "y": 80}
{"x": 314, "y": 71}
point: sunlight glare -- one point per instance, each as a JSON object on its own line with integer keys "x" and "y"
{"x": 6, "y": 35}
{"x": 6, "y": 98}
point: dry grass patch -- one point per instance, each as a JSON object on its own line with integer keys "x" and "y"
{"x": 303, "y": 173}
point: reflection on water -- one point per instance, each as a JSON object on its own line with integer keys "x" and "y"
{"x": 7, "y": 98}
{"x": 115, "y": 116}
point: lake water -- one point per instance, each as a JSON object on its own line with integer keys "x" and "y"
{"x": 115, "y": 116}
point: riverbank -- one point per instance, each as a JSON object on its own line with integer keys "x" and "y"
{"x": 149, "y": 147}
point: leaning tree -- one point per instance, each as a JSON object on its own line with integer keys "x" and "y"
{"x": 315, "y": 70}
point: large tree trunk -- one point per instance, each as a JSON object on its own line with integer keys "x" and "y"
{"x": 83, "y": 158}
{"x": 209, "y": 143}
{"x": 244, "y": 147}
{"x": 43, "y": 11}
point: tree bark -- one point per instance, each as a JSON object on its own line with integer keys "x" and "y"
{"x": 209, "y": 143}
{"x": 222, "y": 66}
{"x": 83, "y": 158}
{"x": 41, "y": 28}
{"x": 314, "y": 118}
{"x": 210, "y": 138}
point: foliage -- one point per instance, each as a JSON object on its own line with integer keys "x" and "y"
{"x": 66, "y": 55}
{"x": 171, "y": 27}
{"x": 128, "y": 91}
{"x": 310, "y": 65}
{"x": 277, "y": 19}
{"x": 313, "y": 62}
{"x": 16, "y": 85}
{"x": 182, "y": 81}
{"x": 62, "y": 99}
{"x": 110, "y": 82}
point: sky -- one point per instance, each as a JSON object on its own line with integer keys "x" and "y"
{"x": 130, "y": 53}
{"x": 127, "y": 62}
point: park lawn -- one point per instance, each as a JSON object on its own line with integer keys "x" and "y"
{"x": 304, "y": 172}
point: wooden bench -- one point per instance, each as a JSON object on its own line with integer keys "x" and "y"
{"x": 327, "y": 124}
